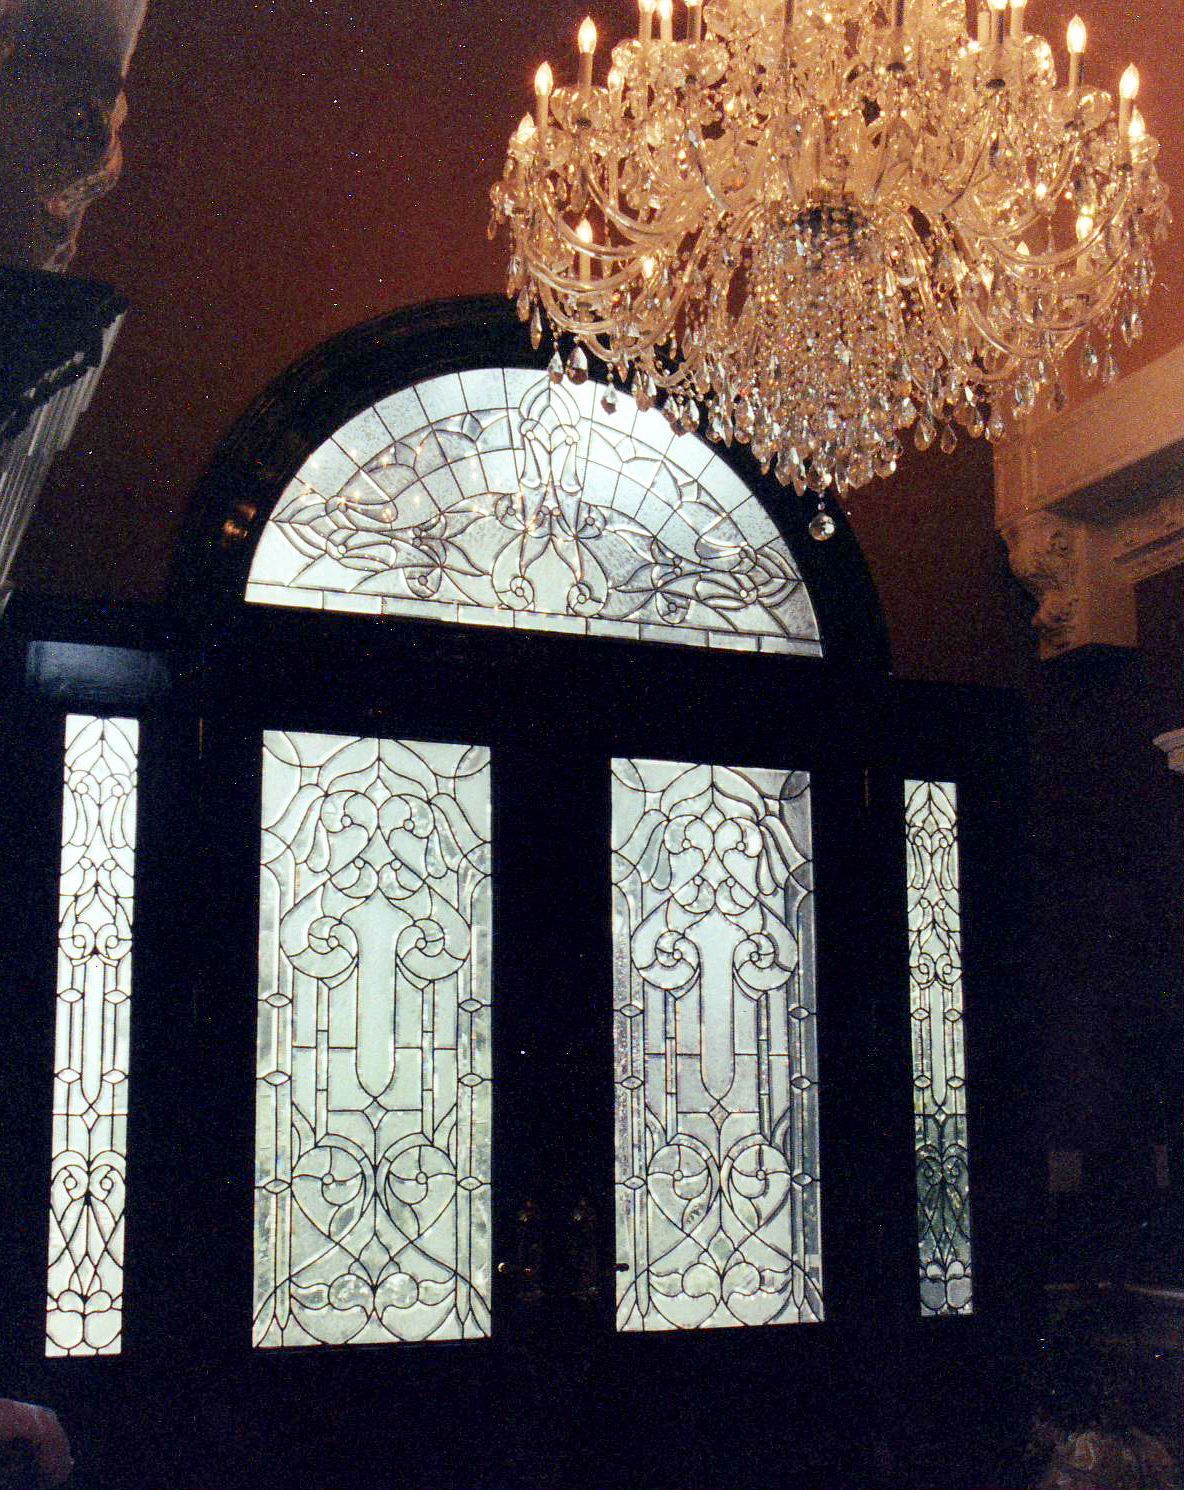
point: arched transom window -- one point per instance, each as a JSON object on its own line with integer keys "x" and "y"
{"x": 496, "y": 497}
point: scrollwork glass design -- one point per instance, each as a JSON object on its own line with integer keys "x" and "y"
{"x": 84, "y": 1314}
{"x": 939, "y": 1056}
{"x": 498, "y": 498}
{"x": 372, "y": 1111}
{"x": 718, "y": 1207}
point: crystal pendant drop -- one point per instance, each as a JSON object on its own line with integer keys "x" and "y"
{"x": 1109, "y": 368}
{"x": 1089, "y": 362}
{"x": 925, "y": 433}
{"x": 949, "y": 440}
{"x": 577, "y": 366}
{"x": 996, "y": 427}
{"x": 555, "y": 368}
{"x": 536, "y": 328}
{"x": 821, "y": 526}
{"x": 1058, "y": 398}
{"x": 608, "y": 401}
{"x": 524, "y": 305}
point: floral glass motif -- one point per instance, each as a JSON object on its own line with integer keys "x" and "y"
{"x": 84, "y": 1315}
{"x": 718, "y": 1208}
{"x": 372, "y": 1114}
{"x": 939, "y": 1058}
{"x": 498, "y": 498}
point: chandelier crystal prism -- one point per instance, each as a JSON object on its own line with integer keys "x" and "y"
{"x": 812, "y": 224}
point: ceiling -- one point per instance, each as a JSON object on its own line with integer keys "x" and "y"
{"x": 293, "y": 167}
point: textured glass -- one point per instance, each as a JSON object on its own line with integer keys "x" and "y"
{"x": 498, "y": 498}
{"x": 939, "y": 1060}
{"x": 716, "y": 1065}
{"x": 84, "y": 1313}
{"x": 372, "y": 1110}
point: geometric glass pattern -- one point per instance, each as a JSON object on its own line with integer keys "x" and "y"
{"x": 718, "y": 1207}
{"x": 372, "y": 1100}
{"x": 939, "y": 1057}
{"x": 495, "y": 497}
{"x": 84, "y": 1311}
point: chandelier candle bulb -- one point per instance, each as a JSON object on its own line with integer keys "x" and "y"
{"x": 544, "y": 83}
{"x": 755, "y": 247}
{"x": 1018, "y": 7}
{"x": 1075, "y": 41}
{"x": 586, "y": 42}
{"x": 1128, "y": 91}
{"x": 997, "y": 9}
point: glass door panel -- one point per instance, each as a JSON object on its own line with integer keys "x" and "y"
{"x": 372, "y": 1153}
{"x": 718, "y": 1209}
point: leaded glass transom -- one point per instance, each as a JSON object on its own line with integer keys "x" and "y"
{"x": 718, "y": 1208}
{"x": 498, "y": 498}
{"x": 372, "y": 1109}
{"x": 939, "y": 1055}
{"x": 84, "y": 1314}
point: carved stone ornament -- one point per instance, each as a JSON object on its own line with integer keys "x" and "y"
{"x": 62, "y": 64}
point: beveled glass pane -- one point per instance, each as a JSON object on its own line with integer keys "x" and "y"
{"x": 372, "y": 1111}
{"x": 494, "y": 497}
{"x": 939, "y": 1058}
{"x": 84, "y": 1313}
{"x": 718, "y": 1208}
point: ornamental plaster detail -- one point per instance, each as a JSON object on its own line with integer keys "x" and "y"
{"x": 62, "y": 68}
{"x": 1092, "y": 501}
{"x": 1045, "y": 558}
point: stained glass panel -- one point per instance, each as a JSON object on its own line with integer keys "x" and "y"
{"x": 939, "y": 1058}
{"x": 718, "y": 1209}
{"x": 373, "y": 1093}
{"x": 497, "y": 498}
{"x": 84, "y": 1313}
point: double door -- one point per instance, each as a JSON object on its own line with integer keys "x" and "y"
{"x": 521, "y": 1088}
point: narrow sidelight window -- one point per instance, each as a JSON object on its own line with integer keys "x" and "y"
{"x": 84, "y": 1313}
{"x": 939, "y": 1059}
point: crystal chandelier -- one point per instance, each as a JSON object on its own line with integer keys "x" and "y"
{"x": 815, "y": 223}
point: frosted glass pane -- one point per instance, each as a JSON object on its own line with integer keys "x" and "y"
{"x": 716, "y": 1063}
{"x": 84, "y": 1313}
{"x": 495, "y": 497}
{"x": 372, "y": 1111}
{"x": 939, "y": 1059}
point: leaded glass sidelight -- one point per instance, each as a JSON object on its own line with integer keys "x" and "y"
{"x": 718, "y": 1210}
{"x": 373, "y": 1092}
{"x": 939, "y": 1059}
{"x": 498, "y": 498}
{"x": 84, "y": 1313}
